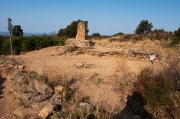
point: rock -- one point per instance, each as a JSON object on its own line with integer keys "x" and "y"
{"x": 80, "y": 31}
{"x": 37, "y": 106}
{"x": 79, "y": 65}
{"x": 21, "y": 67}
{"x": 85, "y": 106}
{"x": 56, "y": 100}
{"x": 2, "y": 61}
{"x": 18, "y": 112}
{"x": 58, "y": 89}
{"x": 33, "y": 74}
{"x": 28, "y": 96}
{"x": 20, "y": 79}
{"x": 41, "y": 97}
{"x": 75, "y": 53}
{"x": 89, "y": 66}
{"x": 32, "y": 89}
{"x": 46, "y": 111}
{"x": 43, "y": 88}
{"x": 78, "y": 43}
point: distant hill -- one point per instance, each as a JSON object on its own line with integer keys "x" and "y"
{"x": 24, "y": 34}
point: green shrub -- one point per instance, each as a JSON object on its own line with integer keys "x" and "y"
{"x": 21, "y": 44}
{"x": 154, "y": 88}
{"x": 174, "y": 40}
{"x": 159, "y": 89}
{"x": 5, "y": 47}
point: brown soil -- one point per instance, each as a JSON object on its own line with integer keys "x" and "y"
{"x": 98, "y": 83}
{"x": 7, "y": 101}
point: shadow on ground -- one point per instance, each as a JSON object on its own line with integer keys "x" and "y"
{"x": 134, "y": 108}
{"x": 2, "y": 80}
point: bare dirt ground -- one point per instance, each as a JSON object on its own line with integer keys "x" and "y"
{"x": 99, "y": 83}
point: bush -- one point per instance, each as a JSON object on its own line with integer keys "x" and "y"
{"x": 1, "y": 42}
{"x": 30, "y": 43}
{"x": 174, "y": 41}
{"x": 160, "y": 88}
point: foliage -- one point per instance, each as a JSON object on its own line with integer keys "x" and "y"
{"x": 17, "y": 31}
{"x": 30, "y": 43}
{"x": 120, "y": 33}
{"x": 144, "y": 27}
{"x": 160, "y": 88}
{"x": 158, "y": 30}
{"x": 71, "y": 30}
{"x": 5, "y": 47}
{"x": 1, "y": 42}
{"x": 96, "y": 34}
{"x": 177, "y": 33}
{"x": 176, "y": 38}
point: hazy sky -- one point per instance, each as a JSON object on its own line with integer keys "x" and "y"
{"x": 106, "y": 17}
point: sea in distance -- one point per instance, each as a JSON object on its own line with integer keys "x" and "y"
{"x": 24, "y": 34}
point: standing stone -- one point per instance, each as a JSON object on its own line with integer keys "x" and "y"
{"x": 80, "y": 31}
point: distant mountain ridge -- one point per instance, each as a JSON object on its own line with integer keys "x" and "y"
{"x": 24, "y": 34}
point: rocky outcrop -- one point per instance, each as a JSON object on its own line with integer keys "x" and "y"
{"x": 36, "y": 95}
{"x": 37, "y": 98}
{"x": 78, "y": 43}
{"x": 80, "y": 31}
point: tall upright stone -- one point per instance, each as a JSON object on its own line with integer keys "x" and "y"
{"x": 80, "y": 31}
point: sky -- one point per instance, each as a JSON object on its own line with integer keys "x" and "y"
{"x": 106, "y": 17}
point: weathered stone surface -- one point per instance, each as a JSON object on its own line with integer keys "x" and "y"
{"x": 20, "y": 79}
{"x": 78, "y": 43}
{"x": 43, "y": 88}
{"x": 89, "y": 66}
{"x": 32, "y": 89}
{"x": 56, "y": 100}
{"x": 75, "y": 53}
{"x": 85, "y": 106}
{"x": 41, "y": 97}
{"x": 18, "y": 112}
{"x": 80, "y": 31}
{"x": 37, "y": 106}
{"x": 46, "y": 111}
{"x": 21, "y": 67}
{"x": 28, "y": 96}
{"x": 58, "y": 89}
{"x": 13, "y": 75}
{"x": 79, "y": 65}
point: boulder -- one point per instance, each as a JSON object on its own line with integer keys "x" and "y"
{"x": 81, "y": 31}
{"x": 43, "y": 88}
{"x": 18, "y": 113}
{"x": 46, "y": 111}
